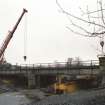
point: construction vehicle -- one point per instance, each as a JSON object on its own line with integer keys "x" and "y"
{"x": 67, "y": 85}
{"x": 8, "y": 38}
{"x": 62, "y": 86}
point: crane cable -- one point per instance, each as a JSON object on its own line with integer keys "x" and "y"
{"x": 25, "y": 38}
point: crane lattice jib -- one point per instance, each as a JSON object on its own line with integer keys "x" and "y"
{"x": 10, "y": 35}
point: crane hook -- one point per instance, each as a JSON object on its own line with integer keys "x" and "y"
{"x": 25, "y": 58}
{"x": 102, "y": 44}
{"x": 25, "y": 37}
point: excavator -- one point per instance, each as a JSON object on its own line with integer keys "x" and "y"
{"x": 63, "y": 84}
{"x": 9, "y": 37}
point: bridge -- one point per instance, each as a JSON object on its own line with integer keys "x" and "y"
{"x": 73, "y": 68}
{"x": 34, "y": 72}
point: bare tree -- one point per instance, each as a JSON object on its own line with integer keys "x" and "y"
{"x": 92, "y": 22}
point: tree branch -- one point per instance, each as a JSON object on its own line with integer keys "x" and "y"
{"x": 77, "y": 32}
{"x": 102, "y": 12}
{"x": 78, "y": 18}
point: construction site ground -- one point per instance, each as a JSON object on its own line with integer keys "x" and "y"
{"x": 39, "y": 97}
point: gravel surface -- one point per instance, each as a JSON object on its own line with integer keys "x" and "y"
{"x": 94, "y": 97}
{"x": 13, "y": 98}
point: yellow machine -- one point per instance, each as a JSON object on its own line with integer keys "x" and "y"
{"x": 63, "y": 86}
{"x": 68, "y": 87}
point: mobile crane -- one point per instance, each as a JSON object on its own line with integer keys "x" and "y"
{"x": 9, "y": 37}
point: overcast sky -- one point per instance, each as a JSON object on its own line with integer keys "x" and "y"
{"x": 48, "y": 39}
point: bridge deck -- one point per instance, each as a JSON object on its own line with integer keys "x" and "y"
{"x": 70, "y": 68}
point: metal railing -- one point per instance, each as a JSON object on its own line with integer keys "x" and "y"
{"x": 63, "y": 64}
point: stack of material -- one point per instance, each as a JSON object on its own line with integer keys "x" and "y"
{"x": 93, "y": 97}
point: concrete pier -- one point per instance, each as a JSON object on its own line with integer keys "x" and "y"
{"x": 31, "y": 80}
{"x": 102, "y": 69}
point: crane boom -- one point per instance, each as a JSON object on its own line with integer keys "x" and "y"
{"x": 10, "y": 35}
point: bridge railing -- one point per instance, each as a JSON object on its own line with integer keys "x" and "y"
{"x": 72, "y": 68}
{"x": 63, "y": 64}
